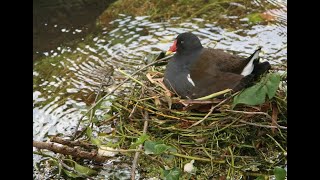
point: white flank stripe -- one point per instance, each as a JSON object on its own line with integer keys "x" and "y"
{"x": 190, "y": 80}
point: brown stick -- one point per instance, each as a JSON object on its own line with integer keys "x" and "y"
{"x": 69, "y": 151}
{"x": 261, "y": 125}
{"x": 72, "y": 143}
{"x": 136, "y": 156}
{"x": 245, "y": 112}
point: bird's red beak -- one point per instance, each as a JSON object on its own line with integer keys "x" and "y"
{"x": 172, "y": 48}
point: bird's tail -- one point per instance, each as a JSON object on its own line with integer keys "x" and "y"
{"x": 256, "y": 70}
{"x": 252, "y": 60}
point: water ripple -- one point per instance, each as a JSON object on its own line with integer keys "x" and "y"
{"x": 74, "y": 76}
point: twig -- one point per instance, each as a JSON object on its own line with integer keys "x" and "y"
{"x": 107, "y": 120}
{"x": 136, "y": 156}
{"x": 69, "y": 151}
{"x": 214, "y": 94}
{"x": 231, "y": 168}
{"x": 72, "y": 143}
{"x": 119, "y": 85}
{"x": 191, "y": 101}
{"x": 260, "y": 125}
{"x": 91, "y": 111}
{"x": 211, "y": 110}
{"x": 265, "y": 176}
{"x": 245, "y": 112}
{"x": 284, "y": 151}
{"x": 123, "y": 150}
{"x": 160, "y": 114}
{"x": 262, "y": 113}
{"x": 130, "y": 76}
{"x": 197, "y": 158}
{"x": 135, "y": 107}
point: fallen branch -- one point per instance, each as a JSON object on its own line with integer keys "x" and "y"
{"x": 72, "y": 143}
{"x": 57, "y": 148}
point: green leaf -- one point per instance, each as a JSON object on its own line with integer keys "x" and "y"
{"x": 106, "y": 116}
{"x": 139, "y": 141}
{"x": 96, "y": 141}
{"x": 255, "y": 18}
{"x": 172, "y": 149}
{"x": 260, "y": 178}
{"x": 160, "y": 148}
{"x": 169, "y": 157}
{"x": 280, "y": 173}
{"x": 89, "y": 132}
{"x": 172, "y": 174}
{"x": 71, "y": 174}
{"x": 94, "y": 119}
{"x": 152, "y": 147}
{"x": 273, "y": 84}
{"x": 84, "y": 170}
{"x": 256, "y": 94}
{"x": 251, "y": 96}
{"x": 149, "y": 147}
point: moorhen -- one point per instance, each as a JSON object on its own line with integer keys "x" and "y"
{"x": 195, "y": 71}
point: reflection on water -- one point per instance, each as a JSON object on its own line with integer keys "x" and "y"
{"x": 58, "y": 21}
{"x": 67, "y": 80}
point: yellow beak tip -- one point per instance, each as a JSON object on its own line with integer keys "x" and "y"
{"x": 168, "y": 53}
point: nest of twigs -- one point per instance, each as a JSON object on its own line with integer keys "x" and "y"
{"x": 224, "y": 142}
{"x": 170, "y": 133}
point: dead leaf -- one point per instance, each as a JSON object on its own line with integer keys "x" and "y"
{"x": 169, "y": 100}
{"x": 156, "y": 99}
{"x": 267, "y": 16}
{"x": 167, "y": 91}
{"x": 150, "y": 78}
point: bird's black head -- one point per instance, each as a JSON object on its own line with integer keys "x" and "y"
{"x": 186, "y": 42}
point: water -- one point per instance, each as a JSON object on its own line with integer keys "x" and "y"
{"x": 68, "y": 77}
{"x": 57, "y": 21}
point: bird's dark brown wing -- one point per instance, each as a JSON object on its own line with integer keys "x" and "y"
{"x": 224, "y": 61}
{"x": 207, "y": 77}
